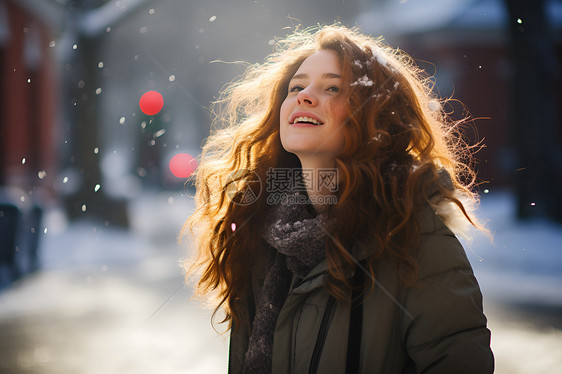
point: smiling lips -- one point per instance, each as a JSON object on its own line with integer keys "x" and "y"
{"x": 305, "y": 118}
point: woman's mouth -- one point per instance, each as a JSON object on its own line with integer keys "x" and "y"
{"x": 303, "y": 120}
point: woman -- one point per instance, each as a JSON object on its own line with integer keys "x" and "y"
{"x": 324, "y": 216}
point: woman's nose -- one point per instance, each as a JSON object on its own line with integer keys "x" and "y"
{"x": 306, "y": 97}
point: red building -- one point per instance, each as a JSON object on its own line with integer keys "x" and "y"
{"x": 27, "y": 150}
{"x": 28, "y": 98}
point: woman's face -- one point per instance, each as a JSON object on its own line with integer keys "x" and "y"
{"x": 312, "y": 117}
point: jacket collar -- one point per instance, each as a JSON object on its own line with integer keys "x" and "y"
{"x": 428, "y": 221}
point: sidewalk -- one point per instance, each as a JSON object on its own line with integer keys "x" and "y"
{"x": 113, "y": 301}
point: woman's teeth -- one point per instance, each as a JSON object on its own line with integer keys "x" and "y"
{"x": 307, "y": 119}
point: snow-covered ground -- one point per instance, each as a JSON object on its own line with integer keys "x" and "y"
{"x": 523, "y": 263}
{"x": 113, "y": 301}
{"x": 520, "y": 274}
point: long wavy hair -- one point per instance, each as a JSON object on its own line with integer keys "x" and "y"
{"x": 398, "y": 140}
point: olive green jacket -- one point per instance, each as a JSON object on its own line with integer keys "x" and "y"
{"x": 438, "y": 327}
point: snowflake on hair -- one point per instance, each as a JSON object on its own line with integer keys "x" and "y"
{"x": 381, "y": 60}
{"x": 377, "y": 138}
{"x": 378, "y": 56}
{"x": 434, "y": 105}
{"x": 363, "y": 81}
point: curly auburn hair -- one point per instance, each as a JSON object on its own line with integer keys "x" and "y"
{"x": 397, "y": 140}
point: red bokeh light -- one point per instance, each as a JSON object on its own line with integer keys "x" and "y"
{"x": 183, "y": 165}
{"x": 151, "y": 103}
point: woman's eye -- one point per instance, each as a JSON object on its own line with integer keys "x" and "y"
{"x": 334, "y": 89}
{"x": 296, "y": 88}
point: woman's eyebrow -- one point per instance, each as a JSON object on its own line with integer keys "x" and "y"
{"x": 326, "y": 75}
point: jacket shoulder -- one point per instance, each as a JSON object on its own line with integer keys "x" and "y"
{"x": 444, "y": 327}
{"x": 439, "y": 250}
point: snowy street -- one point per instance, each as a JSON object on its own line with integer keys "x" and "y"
{"x": 113, "y": 301}
{"x": 110, "y": 301}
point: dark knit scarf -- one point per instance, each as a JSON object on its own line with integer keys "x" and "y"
{"x": 299, "y": 239}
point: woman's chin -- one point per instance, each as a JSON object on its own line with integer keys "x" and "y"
{"x": 299, "y": 148}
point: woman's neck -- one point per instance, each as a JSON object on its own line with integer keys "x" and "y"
{"x": 322, "y": 184}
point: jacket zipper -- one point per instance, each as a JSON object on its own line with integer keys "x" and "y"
{"x": 315, "y": 360}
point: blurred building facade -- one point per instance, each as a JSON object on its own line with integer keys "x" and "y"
{"x": 28, "y": 89}
{"x": 28, "y": 144}
{"x": 187, "y": 51}
{"x": 467, "y": 45}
